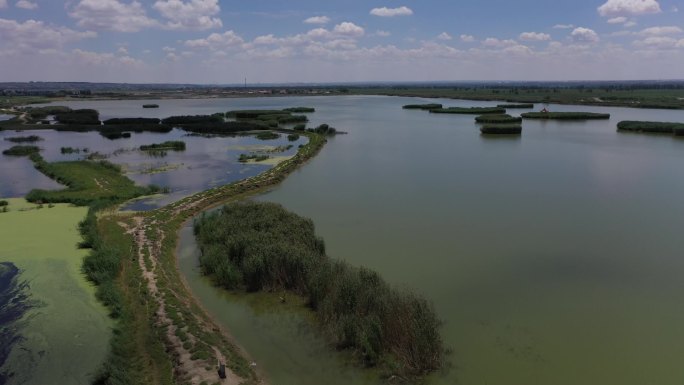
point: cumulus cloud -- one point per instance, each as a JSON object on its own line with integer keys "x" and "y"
{"x": 34, "y": 35}
{"x": 193, "y": 14}
{"x": 111, "y": 15}
{"x": 496, "y": 43}
{"x": 317, "y": 20}
{"x": 105, "y": 59}
{"x": 216, "y": 41}
{"x": 349, "y": 29}
{"x": 660, "y": 31}
{"x": 617, "y": 20}
{"x": 444, "y": 36}
{"x": 382, "y": 33}
{"x": 391, "y": 12}
{"x": 659, "y": 42}
{"x": 628, "y": 7}
{"x": 25, "y": 4}
{"x": 584, "y": 35}
{"x": 534, "y": 36}
{"x": 564, "y": 26}
{"x": 467, "y": 38}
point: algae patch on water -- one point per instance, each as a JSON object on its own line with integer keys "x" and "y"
{"x": 65, "y": 338}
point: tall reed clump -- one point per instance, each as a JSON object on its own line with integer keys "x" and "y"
{"x": 262, "y": 247}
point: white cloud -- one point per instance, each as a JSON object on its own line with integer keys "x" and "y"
{"x": 33, "y": 35}
{"x": 444, "y": 36}
{"x": 534, "y": 36}
{"x": 317, "y": 20}
{"x": 193, "y": 14}
{"x": 584, "y": 35}
{"x": 617, "y": 20}
{"x": 349, "y": 29}
{"x": 122, "y": 51}
{"x": 496, "y": 43}
{"x": 216, "y": 41}
{"x": 382, "y": 33}
{"x": 629, "y": 7}
{"x": 467, "y": 38}
{"x": 564, "y": 26}
{"x": 25, "y": 4}
{"x": 630, "y": 24}
{"x": 391, "y": 12}
{"x": 105, "y": 59}
{"x": 659, "y": 31}
{"x": 659, "y": 42}
{"x": 111, "y": 15}
{"x": 3, "y": 3}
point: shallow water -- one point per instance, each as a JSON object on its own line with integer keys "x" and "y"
{"x": 553, "y": 257}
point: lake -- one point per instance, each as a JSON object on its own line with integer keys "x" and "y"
{"x": 552, "y": 257}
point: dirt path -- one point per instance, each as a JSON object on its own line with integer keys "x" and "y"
{"x": 193, "y": 371}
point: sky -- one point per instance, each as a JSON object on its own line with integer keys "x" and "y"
{"x": 276, "y": 41}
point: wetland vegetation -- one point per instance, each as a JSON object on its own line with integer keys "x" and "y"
{"x": 169, "y": 145}
{"x": 428, "y": 106}
{"x": 21, "y": 150}
{"x": 501, "y": 129}
{"x": 565, "y": 115}
{"x": 469, "y": 110}
{"x": 24, "y": 139}
{"x": 262, "y": 247}
{"x": 651, "y": 127}
{"x": 516, "y": 105}
{"x": 498, "y": 118}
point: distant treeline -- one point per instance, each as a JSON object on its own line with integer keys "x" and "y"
{"x": 262, "y": 247}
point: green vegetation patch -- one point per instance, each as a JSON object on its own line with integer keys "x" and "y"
{"x": 501, "y": 129}
{"x": 131, "y": 121}
{"x": 86, "y": 182}
{"x": 170, "y": 145}
{"x": 565, "y": 115}
{"x": 79, "y": 117}
{"x": 653, "y": 127}
{"x": 300, "y": 110}
{"x": 498, "y": 118}
{"x": 268, "y": 135}
{"x": 519, "y": 105}
{"x": 21, "y": 150}
{"x": 262, "y": 247}
{"x": 244, "y": 158}
{"x": 324, "y": 130}
{"x": 24, "y": 139}
{"x": 428, "y": 106}
{"x": 469, "y": 110}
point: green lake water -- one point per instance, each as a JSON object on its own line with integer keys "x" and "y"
{"x": 553, "y": 257}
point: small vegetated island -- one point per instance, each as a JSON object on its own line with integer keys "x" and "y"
{"x": 428, "y": 106}
{"x": 469, "y": 110}
{"x": 501, "y": 129}
{"x": 150, "y": 106}
{"x": 21, "y": 150}
{"x": 565, "y": 115}
{"x": 170, "y": 145}
{"x": 498, "y": 118}
{"x": 652, "y": 127}
{"x": 24, "y": 139}
{"x": 262, "y": 247}
{"x": 516, "y": 105}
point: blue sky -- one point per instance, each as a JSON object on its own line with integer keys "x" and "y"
{"x": 212, "y": 41}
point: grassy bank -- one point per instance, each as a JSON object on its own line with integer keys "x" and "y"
{"x": 565, "y": 115}
{"x": 262, "y": 247}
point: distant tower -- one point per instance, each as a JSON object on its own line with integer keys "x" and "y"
{"x": 245, "y": 82}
